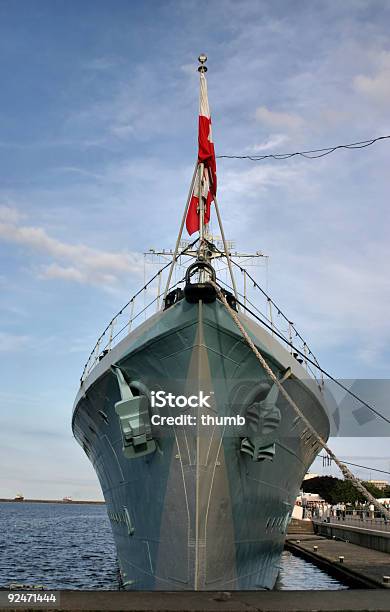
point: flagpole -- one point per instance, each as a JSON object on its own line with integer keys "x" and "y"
{"x": 180, "y": 232}
{"x": 202, "y": 69}
{"x": 201, "y": 206}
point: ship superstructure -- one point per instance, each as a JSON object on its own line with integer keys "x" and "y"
{"x": 199, "y": 456}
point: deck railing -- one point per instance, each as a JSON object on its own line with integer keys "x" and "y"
{"x": 128, "y": 318}
{"x": 259, "y": 305}
{"x": 253, "y": 300}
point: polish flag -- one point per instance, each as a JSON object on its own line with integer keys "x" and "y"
{"x": 206, "y": 156}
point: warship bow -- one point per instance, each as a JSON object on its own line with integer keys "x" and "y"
{"x": 199, "y": 455}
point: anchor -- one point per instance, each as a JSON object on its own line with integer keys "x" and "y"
{"x": 134, "y": 420}
{"x": 263, "y": 418}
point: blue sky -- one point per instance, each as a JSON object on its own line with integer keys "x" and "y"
{"x": 98, "y": 116}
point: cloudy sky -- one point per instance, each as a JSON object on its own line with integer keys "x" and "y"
{"x": 98, "y": 116}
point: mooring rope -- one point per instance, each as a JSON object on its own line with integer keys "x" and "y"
{"x": 343, "y": 468}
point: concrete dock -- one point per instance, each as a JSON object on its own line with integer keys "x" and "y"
{"x": 376, "y": 537}
{"x": 355, "y": 565}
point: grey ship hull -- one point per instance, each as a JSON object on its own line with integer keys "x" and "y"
{"x": 199, "y": 513}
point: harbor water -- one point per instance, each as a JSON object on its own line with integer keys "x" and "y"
{"x": 70, "y": 546}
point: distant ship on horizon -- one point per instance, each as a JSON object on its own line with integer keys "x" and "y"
{"x": 196, "y": 505}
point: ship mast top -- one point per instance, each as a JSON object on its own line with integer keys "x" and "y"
{"x": 202, "y": 190}
{"x": 202, "y": 59}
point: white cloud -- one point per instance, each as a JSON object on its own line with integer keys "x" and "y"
{"x": 377, "y": 85}
{"x": 101, "y": 64}
{"x": 258, "y": 178}
{"x": 9, "y": 214}
{"x": 122, "y": 130}
{"x": 333, "y": 116}
{"x": 71, "y": 273}
{"x": 276, "y": 119}
{"x": 80, "y": 171}
{"x": 10, "y": 343}
{"x": 341, "y": 302}
{"x": 271, "y": 144}
{"x": 87, "y": 265}
{"x": 67, "y": 273}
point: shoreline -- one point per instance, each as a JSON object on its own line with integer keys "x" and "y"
{"x": 51, "y": 501}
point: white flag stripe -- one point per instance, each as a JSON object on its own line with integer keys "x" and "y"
{"x": 205, "y": 185}
{"x": 204, "y": 109}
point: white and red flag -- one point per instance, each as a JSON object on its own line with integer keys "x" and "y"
{"x": 206, "y": 156}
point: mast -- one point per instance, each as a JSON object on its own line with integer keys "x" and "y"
{"x": 202, "y": 69}
{"x": 201, "y": 187}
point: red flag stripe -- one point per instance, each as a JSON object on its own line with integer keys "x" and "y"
{"x": 206, "y": 156}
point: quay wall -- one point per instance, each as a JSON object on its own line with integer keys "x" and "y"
{"x": 362, "y": 536}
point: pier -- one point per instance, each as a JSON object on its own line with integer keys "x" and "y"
{"x": 358, "y": 556}
{"x": 375, "y": 536}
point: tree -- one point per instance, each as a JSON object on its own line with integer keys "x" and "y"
{"x": 334, "y": 490}
{"x": 386, "y": 492}
{"x": 373, "y": 489}
{"x": 324, "y": 486}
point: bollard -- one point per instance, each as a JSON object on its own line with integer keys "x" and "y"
{"x": 315, "y": 548}
{"x": 222, "y": 596}
{"x": 386, "y": 579}
{"x": 341, "y": 559}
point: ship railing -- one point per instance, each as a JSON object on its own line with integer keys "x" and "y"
{"x": 150, "y": 299}
{"x": 125, "y": 321}
{"x": 266, "y": 312}
{"x": 142, "y": 304}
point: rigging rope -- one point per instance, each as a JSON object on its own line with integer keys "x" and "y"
{"x": 315, "y": 364}
{"x": 310, "y": 154}
{"x": 343, "y": 468}
{"x": 302, "y": 354}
